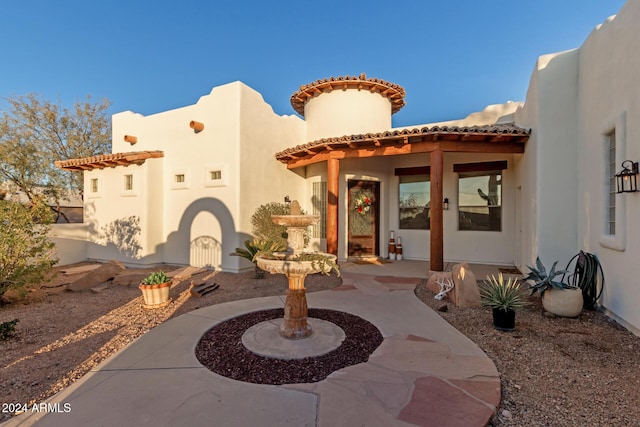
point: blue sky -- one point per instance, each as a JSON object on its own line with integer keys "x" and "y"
{"x": 452, "y": 57}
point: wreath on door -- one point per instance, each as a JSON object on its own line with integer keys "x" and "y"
{"x": 362, "y": 204}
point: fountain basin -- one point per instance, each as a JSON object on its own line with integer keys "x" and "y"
{"x": 295, "y": 220}
{"x": 283, "y": 265}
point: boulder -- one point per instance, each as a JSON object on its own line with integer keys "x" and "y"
{"x": 465, "y": 291}
{"x": 95, "y": 277}
{"x": 129, "y": 278}
{"x": 435, "y": 277}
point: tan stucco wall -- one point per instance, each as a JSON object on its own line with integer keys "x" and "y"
{"x": 240, "y": 137}
{"x": 549, "y": 166}
{"x": 609, "y": 89}
{"x": 262, "y": 178}
{"x": 490, "y": 115}
{"x": 70, "y": 242}
{"x": 346, "y": 112}
{"x": 575, "y": 98}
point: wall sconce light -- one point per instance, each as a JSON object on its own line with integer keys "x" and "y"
{"x": 627, "y": 178}
{"x": 445, "y": 204}
{"x": 287, "y": 200}
{"x": 131, "y": 139}
{"x": 196, "y": 126}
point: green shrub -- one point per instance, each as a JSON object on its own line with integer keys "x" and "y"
{"x": 156, "y": 278}
{"x": 265, "y": 229}
{"x": 26, "y": 252}
{"x": 8, "y": 329}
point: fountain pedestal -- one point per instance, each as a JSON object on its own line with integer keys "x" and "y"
{"x": 295, "y": 324}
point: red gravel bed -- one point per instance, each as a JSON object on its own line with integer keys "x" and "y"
{"x": 221, "y": 350}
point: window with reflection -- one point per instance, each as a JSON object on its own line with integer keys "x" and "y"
{"x": 414, "y": 202}
{"x": 480, "y": 201}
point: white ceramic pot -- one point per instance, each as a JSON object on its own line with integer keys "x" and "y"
{"x": 563, "y": 302}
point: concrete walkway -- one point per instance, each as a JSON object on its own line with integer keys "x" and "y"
{"x": 424, "y": 373}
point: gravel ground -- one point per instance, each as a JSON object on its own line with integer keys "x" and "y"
{"x": 62, "y": 335}
{"x": 554, "y": 371}
{"x": 221, "y": 350}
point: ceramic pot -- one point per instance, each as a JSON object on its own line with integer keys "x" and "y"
{"x": 563, "y": 302}
{"x": 155, "y": 296}
{"x": 504, "y": 320}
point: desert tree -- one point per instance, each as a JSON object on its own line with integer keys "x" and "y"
{"x": 34, "y": 133}
{"x": 26, "y": 251}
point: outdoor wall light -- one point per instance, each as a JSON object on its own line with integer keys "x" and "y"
{"x": 627, "y": 178}
{"x": 196, "y": 126}
{"x": 131, "y": 139}
{"x": 445, "y": 204}
{"x": 287, "y": 200}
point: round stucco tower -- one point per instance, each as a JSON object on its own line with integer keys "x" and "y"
{"x": 347, "y": 105}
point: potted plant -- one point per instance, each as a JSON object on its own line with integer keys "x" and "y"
{"x": 558, "y": 297}
{"x": 155, "y": 290}
{"x": 504, "y": 297}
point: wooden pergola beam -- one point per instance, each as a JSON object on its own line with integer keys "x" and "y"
{"x": 296, "y": 161}
{"x": 436, "y": 225}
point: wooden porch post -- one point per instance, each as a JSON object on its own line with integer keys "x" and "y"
{"x": 435, "y": 211}
{"x": 333, "y": 172}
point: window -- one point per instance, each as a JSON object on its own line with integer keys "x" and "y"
{"x": 128, "y": 182}
{"x": 94, "y": 185}
{"x": 415, "y": 195}
{"x": 611, "y": 172}
{"x": 319, "y": 202}
{"x": 480, "y": 200}
{"x": 612, "y": 215}
{"x": 180, "y": 179}
{"x": 215, "y": 175}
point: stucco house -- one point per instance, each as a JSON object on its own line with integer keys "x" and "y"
{"x": 500, "y": 186}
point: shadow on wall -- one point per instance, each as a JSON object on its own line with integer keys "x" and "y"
{"x": 124, "y": 235}
{"x": 177, "y": 248}
{"x": 120, "y": 239}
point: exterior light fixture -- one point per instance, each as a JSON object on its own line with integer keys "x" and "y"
{"x": 627, "y": 178}
{"x": 287, "y": 200}
{"x": 445, "y": 204}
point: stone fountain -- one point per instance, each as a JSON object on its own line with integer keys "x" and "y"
{"x": 294, "y": 265}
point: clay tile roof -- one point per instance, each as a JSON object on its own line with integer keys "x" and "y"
{"x": 108, "y": 160}
{"x": 394, "y": 92}
{"x": 498, "y": 132}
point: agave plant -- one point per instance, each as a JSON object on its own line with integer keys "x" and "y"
{"x": 498, "y": 293}
{"x": 543, "y": 281}
{"x": 257, "y": 247}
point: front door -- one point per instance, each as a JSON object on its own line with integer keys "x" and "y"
{"x": 363, "y": 218}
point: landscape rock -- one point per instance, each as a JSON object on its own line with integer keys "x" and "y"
{"x": 465, "y": 291}
{"x": 96, "y": 277}
{"x": 435, "y": 277}
{"x": 129, "y": 278}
